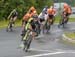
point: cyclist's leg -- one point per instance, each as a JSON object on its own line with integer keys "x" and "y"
{"x": 10, "y": 22}
{"x": 67, "y": 17}
{"x": 14, "y": 19}
{"x": 23, "y": 27}
{"x": 61, "y": 22}
{"x": 52, "y": 19}
{"x": 41, "y": 24}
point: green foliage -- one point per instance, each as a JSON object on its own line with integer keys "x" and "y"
{"x": 22, "y": 6}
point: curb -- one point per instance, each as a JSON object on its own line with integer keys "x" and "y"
{"x": 68, "y": 39}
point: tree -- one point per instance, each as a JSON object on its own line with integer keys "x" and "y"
{"x": 22, "y": 6}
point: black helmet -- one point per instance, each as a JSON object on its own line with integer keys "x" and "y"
{"x": 35, "y": 16}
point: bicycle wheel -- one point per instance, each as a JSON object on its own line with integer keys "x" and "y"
{"x": 28, "y": 42}
{"x": 25, "y": 39}
{"x": 23, "y": 34}
{"x": 44, "y": 27}
{"x": 53, "y": 20}
{"x": 9, "y": 27}
{"x": 48, "y": 26}
{"x": 37, "y": 29}
{"x": 61, "y": 22}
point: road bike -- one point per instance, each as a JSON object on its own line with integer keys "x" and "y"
{"x": 47, "y": 25}
{"x": 27, "y": 40}
{"x": 10, "y": 26}
{"x": 63, "y": 21}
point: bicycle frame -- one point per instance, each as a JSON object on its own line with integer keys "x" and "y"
{"x": 27, "y": 40}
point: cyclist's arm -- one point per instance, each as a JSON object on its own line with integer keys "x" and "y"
{"x": 11, "y": 14}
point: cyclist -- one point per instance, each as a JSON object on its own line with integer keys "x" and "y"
{"x": 67, "y": 10}
{"x": 13, "y": 16}
{"x": 65, "y": 14}
{"x": 31, "y": 26}
{"x": 37, "y": 23}
{"x": 54, "y": 10}
{"x": 24, "y": 22}
{"x": 32, "y": 11}
{"x": 51, "y": 13}
{"x": 43, "y": 16}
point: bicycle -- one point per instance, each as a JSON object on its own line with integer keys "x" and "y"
{"x": 10, "y": 26}
{"x": 47, "y": 25}
{"x": 63, "y": 21}
{"x": 27, "y": 40}
{"x": 37, "y": 29}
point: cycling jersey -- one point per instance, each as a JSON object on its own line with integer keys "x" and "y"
{"x": 51, "y": 11}
{"x": 67, "y": 10}
{"x": 30, "y": 24}
{"x": 44, "y": 11}
{"x": 32, "y": 11}
{"x": 26, "y": 17}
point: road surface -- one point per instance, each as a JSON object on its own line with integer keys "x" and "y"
{"x": 44, "y": 46}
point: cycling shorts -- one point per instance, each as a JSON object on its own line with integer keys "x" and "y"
{"x": 50, "y": 16}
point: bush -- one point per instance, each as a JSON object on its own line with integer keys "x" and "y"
{"x": 22, "y": 6}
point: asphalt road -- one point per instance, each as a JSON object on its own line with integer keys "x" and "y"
{"x": 47, "y": 45}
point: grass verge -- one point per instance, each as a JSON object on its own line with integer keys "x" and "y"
{"x": 4, "y": 23}
{"x": 70, "y": 35}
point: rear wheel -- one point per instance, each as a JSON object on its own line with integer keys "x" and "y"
{"x": 38, "y": 29}
{"x": 48, "y": 27}
{"x": 9, "y": 27}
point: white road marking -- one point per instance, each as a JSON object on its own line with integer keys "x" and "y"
{"x": 45, "y": 54}
{"x": 40, "y": 50}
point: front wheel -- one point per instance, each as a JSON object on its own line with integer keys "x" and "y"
{"x": 28, "y": 43}
{"x": 9, "y": 27}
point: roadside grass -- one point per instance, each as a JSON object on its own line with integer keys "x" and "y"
{"x": 4, "y": 23}
{"x": 67, "y": 42}
{"x": 70, "y": 35}
{"x": 57, "y": 18}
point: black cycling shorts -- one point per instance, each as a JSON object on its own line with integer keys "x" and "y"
{"x": 42, "y": 20}
{"x": 24, "y": 22}
{"x": 67, "y": 14}
{"x": 51, "y": 16}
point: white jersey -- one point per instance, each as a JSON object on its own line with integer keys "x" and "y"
{"x": 41, "y": 16}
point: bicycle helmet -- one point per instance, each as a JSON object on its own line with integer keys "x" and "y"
{"x": 49, "y": 10}
{"x": 65, "y": 5}
{"x": 35, "y": 16}
{"x": 32, "y": 8}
